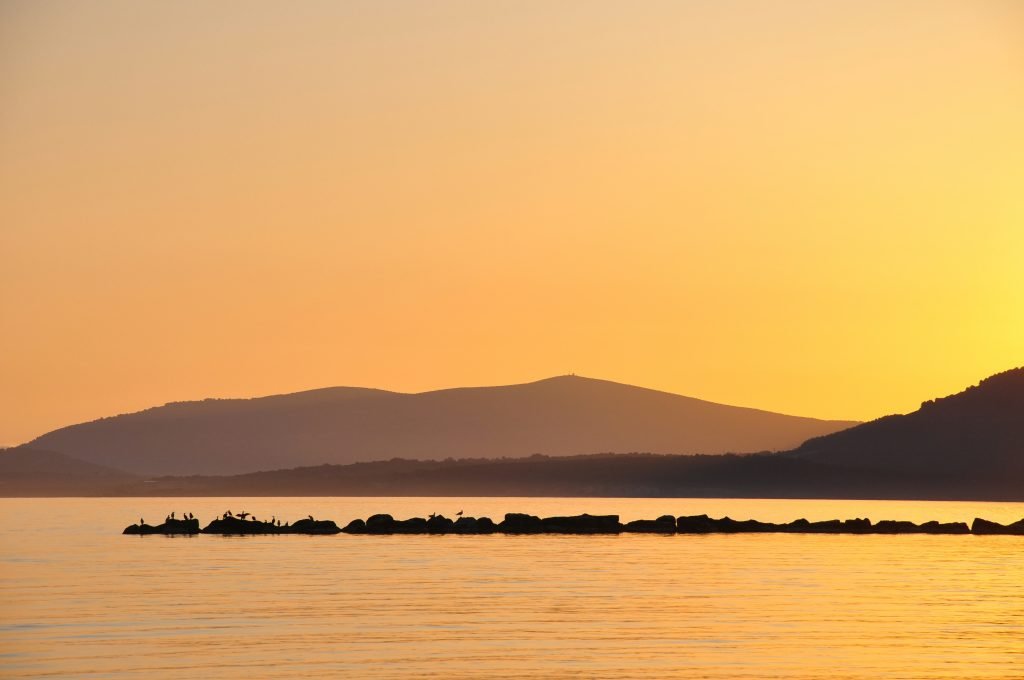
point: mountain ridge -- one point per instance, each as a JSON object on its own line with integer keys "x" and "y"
{"x": 563, "y": 415}
{"x": 979, "y": 430}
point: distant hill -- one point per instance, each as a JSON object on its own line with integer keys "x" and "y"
{"x": 617, "y": 475}
{"x": 566, "y": 415}
{"x": 974, "y": 435}
{"x": 31, "y": 472}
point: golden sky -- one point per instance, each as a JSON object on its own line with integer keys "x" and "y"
{"x": 809, "y": 207}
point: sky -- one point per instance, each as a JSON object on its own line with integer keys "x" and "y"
{"x": 806, "y": 207}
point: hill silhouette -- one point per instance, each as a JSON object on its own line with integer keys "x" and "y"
{"x": 613, "y": 475}
{"x": 974, "y": 436}
{"x": 26, "y": 471}
{"x": 566, "y": 415}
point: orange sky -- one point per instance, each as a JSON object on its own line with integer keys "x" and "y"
{"x": 815, "y": 208}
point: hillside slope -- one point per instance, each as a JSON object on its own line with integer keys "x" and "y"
{"x": 32, "y": 472}
{"x": 566, "y": 415}
{"x": 976, "y": 433}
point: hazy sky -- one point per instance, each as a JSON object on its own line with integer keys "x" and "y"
{"x": 809, "y": 207}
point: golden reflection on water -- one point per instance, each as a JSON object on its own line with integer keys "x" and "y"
{"x": 77, "y": 599}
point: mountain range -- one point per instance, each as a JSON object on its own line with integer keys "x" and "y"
{"x": 566, "y": 415}
{"x": 968, "y": 445}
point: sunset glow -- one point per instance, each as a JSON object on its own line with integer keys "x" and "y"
{"x": 811, "y": 208}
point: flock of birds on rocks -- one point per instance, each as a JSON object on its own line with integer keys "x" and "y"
{"x": 244, "y": 523}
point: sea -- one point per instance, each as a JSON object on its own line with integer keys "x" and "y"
{"x": 80, "y": 600}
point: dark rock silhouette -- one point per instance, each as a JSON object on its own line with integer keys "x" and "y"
{"x": 581, "y": 524}
{"x": 386, "y": 524}
{"x": 356, "y": 526}
{"x": 435, "y": 524}
{"x": 565, "y": 415}
{"x": 439, "y": 524}
{"x": 985, "y": 527}
{"x": 169, "y": 527}
{"x": 474, "y": 525}
{"x": 666, "y": 524}
{"x": 519, "y": 523}
{"x": 934, "y": 527}
{"x": 237, "y": 526}
{"x": 702, "y": 524}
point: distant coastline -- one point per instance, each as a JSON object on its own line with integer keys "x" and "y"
{"x": 963, "y": 447}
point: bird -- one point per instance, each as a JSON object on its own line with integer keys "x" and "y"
{"x": 311, "y": 518}
{"x": 141, "y": 521}
{"x": 172, "y": 515}
{"x": 459, "y": 513}
{"x": 433, "y": 515}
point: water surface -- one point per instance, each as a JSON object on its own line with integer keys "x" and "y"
{"x": 77, "y": 599}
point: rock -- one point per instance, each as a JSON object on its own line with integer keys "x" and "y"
{"x": 702, "y": 524}
{"x": 829, "y": 526}
{"x": 695, "y": 524}
{"x": 317, "y": 527}
{"x": 857, "y": 526}
{"x": 239, "y": 527}
{"x": 747, "y": 526}
{"x": 581, "y": 524}
{"x": 356, "y": 526}
{"x": 413, "y": 525}
{"x": 666, "y": 524}
{"x": 168, "y": 528}
{"x": 518, "y": 523}
{"x": 888, "y": 526}
{"x": 439, "y": 524}
{"x": 485, "y": 525}
{"x": 944, "y": 528}
{"x": 984, "y": 527}
{"x": 380, "y": 524}
{"x": 472, "y": 525}
{"x": 386, "y": 524}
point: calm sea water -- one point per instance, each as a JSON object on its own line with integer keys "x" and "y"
{"x": 79, "y": 600}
